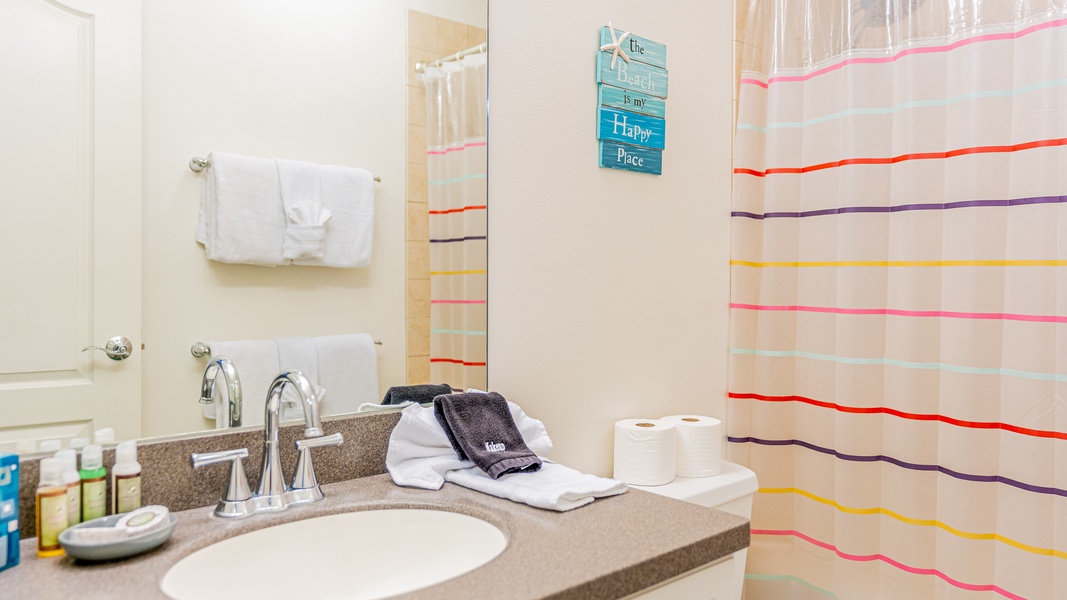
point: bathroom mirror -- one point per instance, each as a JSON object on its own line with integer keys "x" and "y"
{"x": 114, "y": 101}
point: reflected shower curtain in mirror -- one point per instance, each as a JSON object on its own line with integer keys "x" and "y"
{"x": 456, "y": 163}
{"x": 898, "y": 369}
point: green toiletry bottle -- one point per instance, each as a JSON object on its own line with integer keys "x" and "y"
{"x": 94, "y": 483}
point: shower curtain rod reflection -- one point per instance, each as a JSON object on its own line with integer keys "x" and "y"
{"x": 197, "y": 164}
{"x": 479, "y": 49}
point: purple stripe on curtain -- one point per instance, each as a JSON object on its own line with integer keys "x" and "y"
{"x": 904, "y": 464}
{"x": 459, "y": 239}
{"x": 902, "y": 208}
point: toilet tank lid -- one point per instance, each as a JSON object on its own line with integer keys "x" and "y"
{"x": 734, "y": 482}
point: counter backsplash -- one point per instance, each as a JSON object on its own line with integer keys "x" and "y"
{"x": 169, "y": 479}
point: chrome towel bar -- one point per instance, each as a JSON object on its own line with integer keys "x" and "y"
{"x": 200, "y": 349}
{"x": 197, "y": 164}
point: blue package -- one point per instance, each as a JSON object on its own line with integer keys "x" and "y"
{"x": 9, "y": 511}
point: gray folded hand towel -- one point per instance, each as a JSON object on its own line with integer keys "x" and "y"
{"x": 481, "y": 429}
{"x": 423, "y": 394}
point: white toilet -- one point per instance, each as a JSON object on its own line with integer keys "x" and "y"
{"x": 730, "y": 491}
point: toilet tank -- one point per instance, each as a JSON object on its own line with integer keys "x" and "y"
{"x": 731, "y": 490}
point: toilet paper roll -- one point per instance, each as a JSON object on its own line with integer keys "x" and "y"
{"x": 645, "y": 451}
{"x": 699, "y": 445}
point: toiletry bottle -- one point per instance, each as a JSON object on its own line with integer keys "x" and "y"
{"x": 51, "y": 508}
{"x": 9, "y": 511}
{"x": 126, "y": 479}
{"x": 50, "y": 445}
{"x": 25, "y": 446}
{"x": 104, "y": 436}
{"x": 79, "y": 442}
{"x": 94, "y": 483}
{"x": 73, "y": 481}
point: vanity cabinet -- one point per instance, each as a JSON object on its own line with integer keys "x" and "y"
{"x": 710, "y": 582}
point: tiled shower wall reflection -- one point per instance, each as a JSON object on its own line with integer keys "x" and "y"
{"x": 429, "y": 38}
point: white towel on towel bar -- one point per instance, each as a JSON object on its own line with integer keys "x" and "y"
{"x": 241, "y": 218}
{"x": 298, "y": 353}
{"x": 348, "y": 193}
{"x": 348, "y": 370}
{"x": 306, "y": 217}
{"x": 256, "y": 362}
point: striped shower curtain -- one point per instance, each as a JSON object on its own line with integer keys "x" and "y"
{"x": 898, "y": 370}
{"x": 456, "y": 168}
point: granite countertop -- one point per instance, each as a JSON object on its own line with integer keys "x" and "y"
{"x": 608, "y": 549}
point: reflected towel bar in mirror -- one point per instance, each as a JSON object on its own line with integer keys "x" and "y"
{"x": 198, "y": 164}
{"x": 200, "y": 349}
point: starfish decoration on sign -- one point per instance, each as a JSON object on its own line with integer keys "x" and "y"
{"x": 615, "y": 47}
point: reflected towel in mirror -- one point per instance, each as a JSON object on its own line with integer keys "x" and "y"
{"x": 241, "y": 218}
{"x": 305, "y": 225}
{"x": 256, "y": 362}
{"x": 348, "y": 193}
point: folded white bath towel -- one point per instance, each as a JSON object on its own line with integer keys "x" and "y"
{"x": 420, "y": 455}
{"x": 256, "y": 362}
{"x": 306, "y": 217}
{"x": 301, "y": 354}
{"x": 554, "y": 486}
{"x": 375, "y": 407}
{"x": 348, "y": 369}
{"x": 241, "y": 217}
{"x": 348, "y": 193}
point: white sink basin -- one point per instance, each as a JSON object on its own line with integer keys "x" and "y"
{"x": 356, "y": 556}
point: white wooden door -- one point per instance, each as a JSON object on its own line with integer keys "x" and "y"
{"x": 70, "y": 216}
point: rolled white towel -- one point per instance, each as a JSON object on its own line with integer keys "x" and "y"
{"x": 305, "y": 235}
{"x": 306, "y": 217}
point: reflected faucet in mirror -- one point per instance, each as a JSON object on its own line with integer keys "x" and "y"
{"x": 231, "y": 416}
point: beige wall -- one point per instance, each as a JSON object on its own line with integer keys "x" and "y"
{"x": 429, "y": 38}
{"x": 608, "y": 290}
{"x": 318, "y": 80}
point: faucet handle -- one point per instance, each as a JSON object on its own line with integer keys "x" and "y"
{"x": 237, "y": 503}
{"x": 335, "y": 439}
{"x": 305, "y": 487}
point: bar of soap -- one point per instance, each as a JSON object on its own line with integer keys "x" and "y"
{"x": 134, "y": 523}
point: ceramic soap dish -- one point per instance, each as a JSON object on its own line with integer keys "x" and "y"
{"x": 155, "y": 528}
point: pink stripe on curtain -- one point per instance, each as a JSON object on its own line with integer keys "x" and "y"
{"x": 903, "y": 567}
{"x": 993, "y": 37}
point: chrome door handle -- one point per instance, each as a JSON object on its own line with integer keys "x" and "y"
{"x": 117, "y": 348}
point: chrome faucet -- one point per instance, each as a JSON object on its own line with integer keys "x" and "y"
{"x": 231, "y": 415}
{"x": 272, "y": 494}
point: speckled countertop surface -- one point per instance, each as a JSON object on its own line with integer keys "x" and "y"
{"x": 608, "y": 549}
